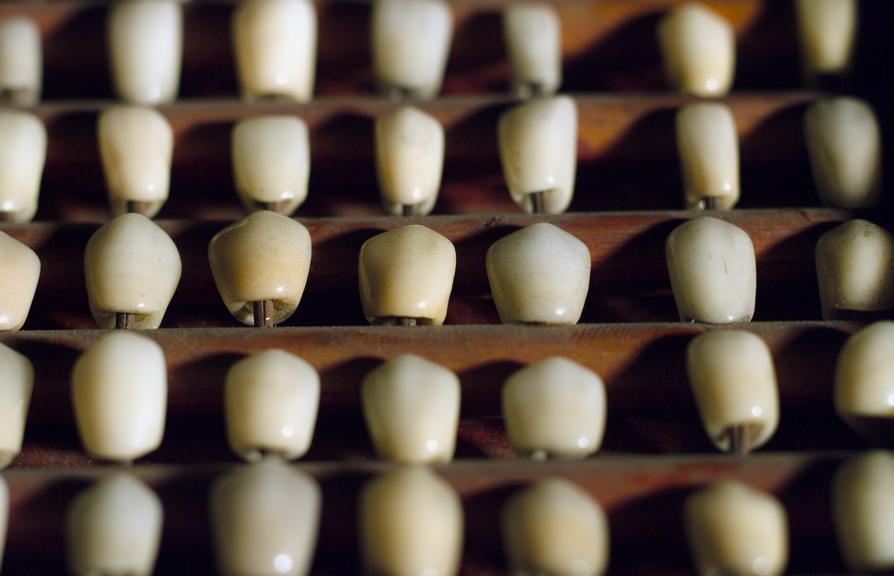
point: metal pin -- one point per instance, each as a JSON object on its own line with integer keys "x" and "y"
{"x": 709, "y": 203}
{"x": 738, "y": 440}
{"x": 538, "y": 202}
{"x": 16, "y": 96}
{"x": 262, "y": 310}
{"x": 279, "y": 206}
{"x": 411, "y": 209}
{"x": 137, "y": 207}
{"x": 125, "y": 321}
{"x": 539, "y": 456}
{"x": 397, "y": 93}
{"x": 398, "y": 321}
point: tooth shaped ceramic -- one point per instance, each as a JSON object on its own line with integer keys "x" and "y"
{"x": 734, "y": 383}
{"x": 539, "y": 275}
{"x": 555, "y": 407}
{"x": 864, "y": 374}
{"x": 712, "y": 270}
{"x": 863, "y": 504}
{"x": 409, "y": 160}
{"x": 263, "y": 257}
{"x": 18, "y": 282}
{"x": 708, "y": 145}
{"x": 265, "y": 518}
{"x": 145, "y": 40}
{"x": 410, "y": 44}
{"x": 538, "y": 151}
{"x": 854, "y": 270}
{"x": 734, "y": 529}
{"x": 411, "y": 522}
{"x": 131, "y": 266}
{"x": 23, "y": 148}
{"x": 276, "y": 48}
{"x": 16, "y": 384}
{"x": 411, "y": 407}
{"x": 554, "y": 527}
{"x": 699, "y": 50}
{"x": 21, "y": 61}
{"x": 533, "y": 37}
{"x": 271, "y": 401}
{"x": 844, "y": 147}
{"x": 136, "y": 145}
{"x": 114, "y": 527}
{"x": 827, "y": 30}
{"x": 119, "y": 392}
{"x": 407, "y": 272}
{"x": 271, "y": 162}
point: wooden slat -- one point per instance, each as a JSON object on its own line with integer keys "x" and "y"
{"x": 642, "y": 496}
{"x": 650, "y": 405}
{"x": 627, "y": 157}
{"x": 629, "y": 281}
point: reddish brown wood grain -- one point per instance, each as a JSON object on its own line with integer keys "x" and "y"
{"x": 642, "y": 496}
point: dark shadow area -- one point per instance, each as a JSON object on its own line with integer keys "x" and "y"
{"x": 209, "y": 66}
{"x": 473, "y": 177}
{"x": 76, "y": 65}
{"x": 807, "y": 498}
{"x": 627, "y": 59}
{"x": 35, "y": 542}
{"x": 786, "y": 278}
{"x": 658, "y": 518}
{"x": 344, "y": 63}
{"x": 767, "y": 52}
{"x": 73, "y": 186}
{"x": 483, "y": 542}
{"x": 343, "y": 173}
{"x": 186, "y": 543}
{"x": 640, "y": 171}
{"x": 338, "y": 544}
{"x": 632, "y": 284}
{"x": 477, "y": 61}
{"x": 202, "y": 183}
{"x": 775, "y": 171}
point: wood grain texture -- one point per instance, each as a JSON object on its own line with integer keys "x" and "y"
{"x": 650, "y": 406}
{"x": 628, "y": 281}
{"x": 643, "y": 498}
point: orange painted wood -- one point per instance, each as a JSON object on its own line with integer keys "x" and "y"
{"x": 628, "y": 283}
{"x": 643, "y": 498}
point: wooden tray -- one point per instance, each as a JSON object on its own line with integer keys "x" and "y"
{"x": 627, "y": 200}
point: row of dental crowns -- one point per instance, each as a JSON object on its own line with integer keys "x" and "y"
{"x": 538, "y": 150}
{"x": 411, "y": 521}
{"x": 276, "y": 44}
{"x": 552, "y": 408}
{"x": 539, "y": 274}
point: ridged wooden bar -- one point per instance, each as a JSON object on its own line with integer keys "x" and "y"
{"x": 650, "y": 405}
{"x": 643, "y": 498}
{"x": 628, "y": 282}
